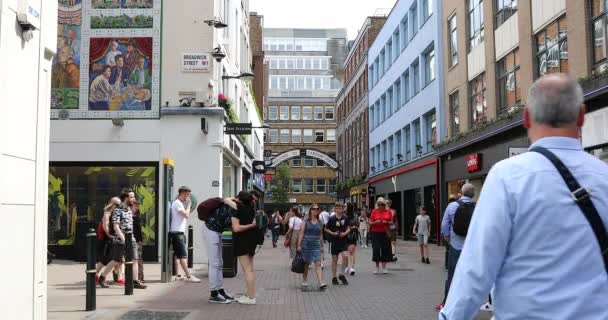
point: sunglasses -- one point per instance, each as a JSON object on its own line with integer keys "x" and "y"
{"x": 314, "y": 208}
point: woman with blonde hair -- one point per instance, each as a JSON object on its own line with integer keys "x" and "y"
{"x": 104, "y": 236}
{"x": 379, "y": 223}
{"x": 310, "y": 243}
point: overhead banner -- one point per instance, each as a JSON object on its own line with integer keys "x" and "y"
{"x": 329, "y": 161}
{"x": 322, "y": 156}
{"x": 285, "y": 156}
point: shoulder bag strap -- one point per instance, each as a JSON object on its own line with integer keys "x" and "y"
{"x": 583, "y": 199}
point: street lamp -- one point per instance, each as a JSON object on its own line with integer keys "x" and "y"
{"x": 245, "y": 76}
{"x": 265, "y": 126}
{"x": 216, "y": 23}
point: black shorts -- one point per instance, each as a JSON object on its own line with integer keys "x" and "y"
{"x": 337, "y": 246}
{"x": 104, "y": 251}
{"x": 178, "y": 241}
{"x": 118, "y": 252}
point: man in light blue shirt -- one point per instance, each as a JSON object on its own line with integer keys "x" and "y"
{"x": 455, "y": 241}
{"x": 528, "y": 237}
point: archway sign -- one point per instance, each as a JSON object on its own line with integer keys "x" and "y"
{"x": 282, "y": 157}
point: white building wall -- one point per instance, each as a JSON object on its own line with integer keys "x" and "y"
{"x": 24, "y": 126}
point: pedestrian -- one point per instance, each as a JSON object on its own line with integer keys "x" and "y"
{"x": 351, "y": 238}
{"x": 379, "y": 223}
{"x": 538, "y": 234}
{"x": 275, "y": 227}
{"x": 393, "y": 228}
{"x": 137, "y": 233}
{"x": 363, "y": 227}
{"x": 338, "y": 228}
{"x": 310, "y": 244}
{"x": 180, "y": 211}
{"x": 422, "y": 230}
{"x": 461, "y": 208}
{"x": 245, "y": 232}
{"x": 104, "y": 237}
{"x": 261, "y": 220}
{"x": 220, "y": 221}
{"x": 122, "y": 223}
{"x": 295, "y": 224}
{"x": 324, "y": 217}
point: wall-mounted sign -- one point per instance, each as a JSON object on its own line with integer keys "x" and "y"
{"x": 195, "y": 62}
{"x": 514, "y": 151}
{"x": 293, "y": 200}
{"x": 237, "y": 128}
{"x": 322, "y": 156}
{"x": 371, "y": 190}
{"x": 267, "y": 153}
{"x": 474, "y": 162}
{"x": 215, "y": 183}
{"x": 259, "y": 181}
{"x": 258, "y": 166}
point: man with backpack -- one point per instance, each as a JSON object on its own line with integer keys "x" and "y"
{"x": 454, "y": 227}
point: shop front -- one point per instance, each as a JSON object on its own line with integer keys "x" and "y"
{"x": 409, "y": 187}
{"x": 358, "y": 196}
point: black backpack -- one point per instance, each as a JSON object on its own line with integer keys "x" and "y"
{"x": 462, "y": 217}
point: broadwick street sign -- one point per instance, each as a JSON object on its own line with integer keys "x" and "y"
{"x": 237, "y": 128}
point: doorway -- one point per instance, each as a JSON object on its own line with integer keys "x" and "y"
{"x": 409, "y": 209}
{"x": 395, "y": 197}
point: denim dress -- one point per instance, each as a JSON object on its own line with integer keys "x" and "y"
{"x": 311, "y": 242}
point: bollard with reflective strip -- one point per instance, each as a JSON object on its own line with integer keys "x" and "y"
{"x": 190, "y": 247}
{"x": 128, "y": 263}
{"x": 91, "y": 271}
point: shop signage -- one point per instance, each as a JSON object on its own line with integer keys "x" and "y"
{"x": 258, "y": 166}
{"x": 259, "y": 181}
{"x": 293, "y": 200}
{"x": 371, "y": 190}
{"x": 267, "y": 153}
{"x": 238, "y": 128}
{"x": 215, "y": 183}
{"x": 285, "y": 156}
{"x": 474, "y": 162}
{"x": 515, "y": 151}
{"x": 195, "y": 62}
{"x": 322, "y": 156}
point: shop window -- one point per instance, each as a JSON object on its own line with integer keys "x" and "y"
{"x": 552, "y": 48}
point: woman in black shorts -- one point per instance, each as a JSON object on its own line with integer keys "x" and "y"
{"x": 352, "y": 238}
{"x": 245, "y": 242}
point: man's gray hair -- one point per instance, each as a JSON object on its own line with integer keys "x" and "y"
{"x": 555, "y": 100}
{"x": 468, "y": 190}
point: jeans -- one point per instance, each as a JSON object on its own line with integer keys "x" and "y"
{"x": 275, "y": 234}
{"x": 216, "y": 262}
{"x": 453, "y": 256}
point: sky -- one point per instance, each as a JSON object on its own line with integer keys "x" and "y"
{"x": 349, "y": 14}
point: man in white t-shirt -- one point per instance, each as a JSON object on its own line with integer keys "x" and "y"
{"x": 324, "y": 216}
{"x": 180, "y": 211}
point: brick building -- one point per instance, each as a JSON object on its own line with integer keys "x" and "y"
{"x": 305, "y": 76}
{"x": 353, "y": 130}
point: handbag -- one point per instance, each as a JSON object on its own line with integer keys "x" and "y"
{"x": 287, "y": 242}
{"x": 583, "y": 199}
{"x": 297, "y": 264}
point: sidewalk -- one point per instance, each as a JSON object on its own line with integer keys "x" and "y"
{"x": 409, "y": 291}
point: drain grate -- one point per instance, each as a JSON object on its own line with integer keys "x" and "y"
{"x": 400, "y": 269}
{"x": 154, "y": 315}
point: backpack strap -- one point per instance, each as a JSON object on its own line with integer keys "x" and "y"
{"x": 583, "y": 199}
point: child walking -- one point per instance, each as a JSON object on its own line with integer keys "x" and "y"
{"x": 422, "y": 229}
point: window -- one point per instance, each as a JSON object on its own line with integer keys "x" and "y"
{"x": 296, "y": 162}
{"x": 306, "y": 113}
{"x": 330, "y": 185}
{"x": 397, "y": 91}
{"x": 391, "y": 151}
{"x": 300, "y": 63}
{"x": 295, "y": 113}
{"x": 381, "y": 64}
{"x": 309, "y": 162}
{"x": 316, "y": 63}
{"x": 319, "y": 136}
{"x": 417, "y": 137}
{"x": 416, "y": 77}
{"x": 324, "y": 63}
{"x": 383, "y": 114}
{"x": 284, "y": 113}
{"x": 320, "y": 163}
{"x": 431, "y": 131}
{"x": 273, "y": 113}
{"x": 414, "y": 18}
{"x": 453, "y": 38}
{"x": 290, "y": 63}
{"x": 274, "y": 136}
{"x": 329, "y": 113}
{"x": 308, "y": 136}
{"x": 509, "y": 92}
{"x": 478, "y": 105}
{"x": 408, "y": 143}
{"x": 454, "y": 113}
{"x": 406, "y": 87}
{"x": 399, "y": 146}
{"x": 296, "y": 136}
{"x": 308, "y": 186}
{"x": 504, "y": 10}
{"x": 404, "y": 32}
{"x": 389, "y": 54}
{"x": 284, "y": 135}
{"x": 397, "y": 45}
{"x": 296, "y": 185}
{"x": 331, "y": 135}
{"x": 552, "y": 48}
{"x": 389, "y": 103}
{"x": 599, "y": 10}
{"x": 318, "y": 113}
{"x": 372, "y": 116}
{"x": 429, "y": 66}
{"x": 475, "y": 23}
{"x": 320, "y": 185}
{"x": 274, "y": 83}
{"x": 427, "y": 8}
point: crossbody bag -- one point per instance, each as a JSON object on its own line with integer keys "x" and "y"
{"x": 583, "y": 199}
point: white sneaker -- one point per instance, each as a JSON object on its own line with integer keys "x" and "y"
{"x": 245, "y": 300}
{"x": 376, "y": 271}
{"x": 346, "y": 270}
{"x": 192, "y": 279}
{"x": 352, "y": 271}
{"x": 487, "y": 307}
{"x": 304, "y": 284}
{"x": 179, "y": 277}
{"x": 384, "y": 271}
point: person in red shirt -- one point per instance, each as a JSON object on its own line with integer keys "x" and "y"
{"x": 379, "y": 223}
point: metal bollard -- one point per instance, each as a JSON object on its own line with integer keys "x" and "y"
{"x": 190, "y": 247}
{"x": 91, "y": 271}
{"x": 129, "y": 263}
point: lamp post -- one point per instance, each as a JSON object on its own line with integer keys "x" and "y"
{"x": 245, "y": 76}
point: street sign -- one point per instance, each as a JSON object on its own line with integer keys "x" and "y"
{"x": 258, "y": 166}
{"x": 238, "y": 128}
{"x": 267, "y": 153}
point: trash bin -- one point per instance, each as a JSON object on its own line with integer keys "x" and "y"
{"x": 229, "y": 269}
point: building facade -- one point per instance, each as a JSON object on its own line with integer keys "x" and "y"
{"x": 25, "y": 86}
{"x": 117, "y": 117}
{"x": 353, "y": 120}
{"x": 494, "y": 52}
{"x": 406, "y": 108}
{"x": 305, "y": 76}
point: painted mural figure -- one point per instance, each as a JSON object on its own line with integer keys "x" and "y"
{"x": 111, "y": 56}
{"x": 131, "y": 57}
{"x": 102, "y": 91}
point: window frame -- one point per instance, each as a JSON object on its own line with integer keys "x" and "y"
{"x": 299, "y": 136}
{"x": 474, "y": 118}
{"x": 316, "y": 135}
{"x": 504, "y": 12}
{"x": 475, "y": 38}
{"x": 270, "y": 135}
{"x": 300, "y": 184}
{"x": 304, "y": 113}
{"x": 453, "y": 43}
{"x": 546, "y": 50}
{"x": 276, "y": 112}
{"x": 504, "y": 74}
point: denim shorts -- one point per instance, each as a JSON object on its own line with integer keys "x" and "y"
{"x": 178, "y": 241}
{"x": 423, "y": 238}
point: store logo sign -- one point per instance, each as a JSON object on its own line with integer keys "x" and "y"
{"x": 474, "y": 162}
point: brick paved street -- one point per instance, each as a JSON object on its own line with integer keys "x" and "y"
{"x": 409, "y": 291}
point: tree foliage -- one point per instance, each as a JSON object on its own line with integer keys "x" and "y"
{"x": 280, "y": 186}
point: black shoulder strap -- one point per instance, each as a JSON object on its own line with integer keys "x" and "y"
{"x": 583, "y": 200}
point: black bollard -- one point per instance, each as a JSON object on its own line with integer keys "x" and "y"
{"x": 91, "y": 296}
{"x": 129, "y": 263}
{"x": 190, "y": 247}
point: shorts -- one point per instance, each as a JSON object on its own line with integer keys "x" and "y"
{"x": 337, "y": 247}
{"x": 393, "y": 235}
{"x": 423, "y": 239}
{"x": 178, "y": 241}
{"x": 118, "y": 252}
{"x": 104, "y": 251}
